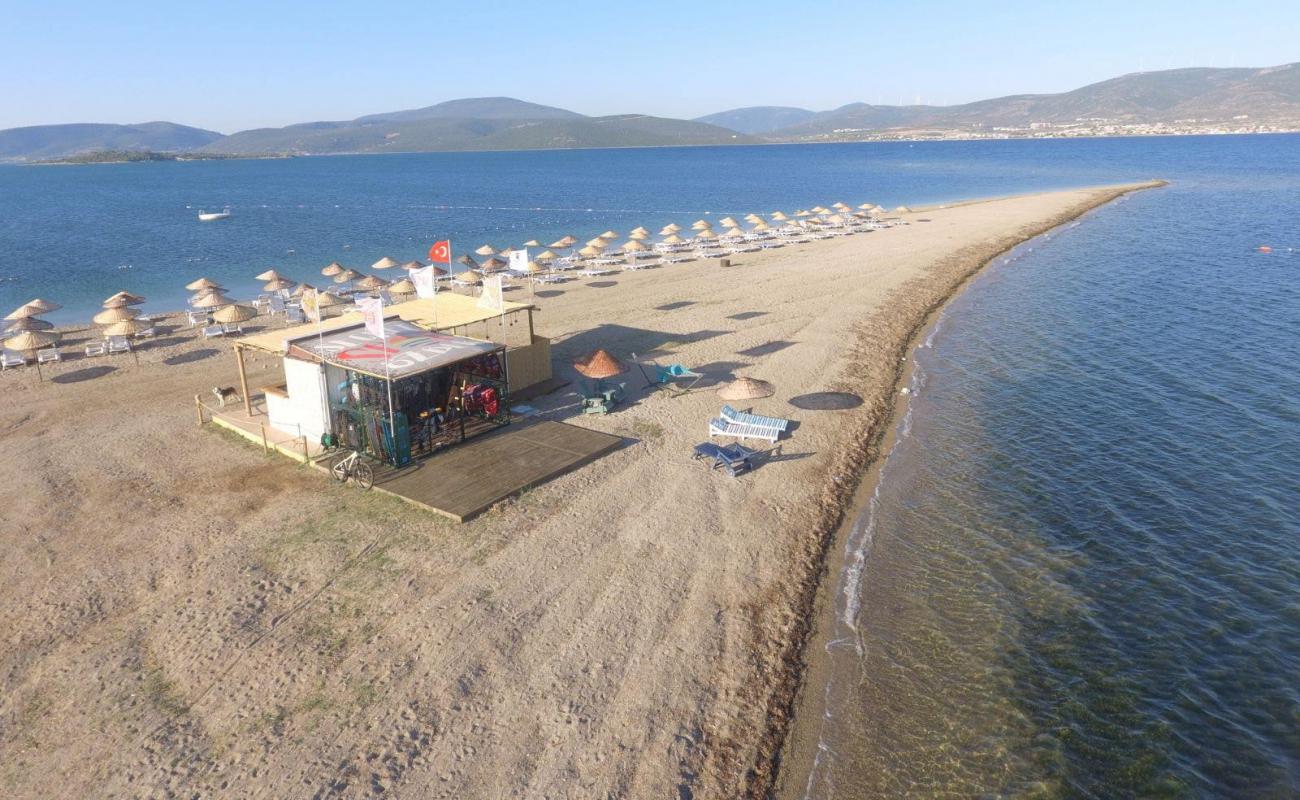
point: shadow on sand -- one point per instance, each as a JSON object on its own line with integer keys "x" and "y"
{"x": 79, "y": 375}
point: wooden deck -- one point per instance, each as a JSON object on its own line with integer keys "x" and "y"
{"x": 467, "y": 479}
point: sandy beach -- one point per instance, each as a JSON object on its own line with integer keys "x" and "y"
{"x": 183, "y": 615}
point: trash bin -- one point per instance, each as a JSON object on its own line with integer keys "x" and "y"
{"x": 724, "y": 263}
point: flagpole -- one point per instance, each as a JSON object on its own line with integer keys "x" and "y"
{"x": 388, "y": 379}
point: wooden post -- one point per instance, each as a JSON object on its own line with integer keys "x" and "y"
{"x": 306, "y": 457}
{"x": 243, "y": 381}
{"x": 265, "y": 447}
{"x": 198, "y": 408}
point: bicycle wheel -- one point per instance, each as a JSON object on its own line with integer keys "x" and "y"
{"x": 340, "y": 470}
{"x": 363, "y": 475}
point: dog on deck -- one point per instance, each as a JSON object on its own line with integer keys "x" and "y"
{"x": 224, "y": 393}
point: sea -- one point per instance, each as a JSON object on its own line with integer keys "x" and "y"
{"x": 1079, "y": 572}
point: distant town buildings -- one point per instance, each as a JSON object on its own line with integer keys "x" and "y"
{"x": 1079, "y": 128}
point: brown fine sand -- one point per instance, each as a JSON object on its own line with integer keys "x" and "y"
{"x": 182, "y": 615}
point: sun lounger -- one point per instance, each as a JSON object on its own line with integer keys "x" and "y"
{"x": 231, "y": 327}
{"x": 551, "y": 278}
{"x": 733, "y": 458}
{"x": 213, "y": 330}
{"x": 96, "y": 348}
{"x": 147, "y": 333}
{"x": 196, "y": 318}
{"x": 8, "y": 359}
{"x": 593, "y": 272}
{"x": 48, "y": 355}
{"x": 276, "y": 306}
{"x": 721, "y": 427}
{"x": 294, "y": 315}
{"x": 732, "y": 415}
{"x": 118, "y": 344}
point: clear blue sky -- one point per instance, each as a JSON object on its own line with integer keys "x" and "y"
{"x": 230, "y": 64}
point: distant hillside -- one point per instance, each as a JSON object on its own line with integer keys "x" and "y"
{"x": 497, "y": 123}
{"x": 758, "y": 119}
{"x": 41, "y": 142}
{"x": 1206, "y": 95}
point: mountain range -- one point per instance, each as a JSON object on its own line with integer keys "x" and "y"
{"x": 1204, "y": 95}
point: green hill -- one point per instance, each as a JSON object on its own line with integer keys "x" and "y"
{"x": 758, "y": 119}
{"x": 43, "y": 142}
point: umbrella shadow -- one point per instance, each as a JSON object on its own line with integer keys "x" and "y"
{"x": 155, "y": 344}
{"x": 675, "y": 306}
{"x": 744, "y": 315}
{"x": 191, "y": 356}
{"x": 826, "y": 401}
{"x": 601, "y": 284}
{"x": 87, "y": 374}
{"x": 766, "y": 349}
{"x": 717, "y": 373}
{"x": 549, "y": 293}
{"x": 777, "y": 454}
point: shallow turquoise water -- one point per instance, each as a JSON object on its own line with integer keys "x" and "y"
{"x": 1080, "y": 575}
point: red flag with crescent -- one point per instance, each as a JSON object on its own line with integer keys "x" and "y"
{"x": 440, "y": 253}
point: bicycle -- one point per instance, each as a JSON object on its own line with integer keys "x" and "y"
{"x": 351, "y": 466}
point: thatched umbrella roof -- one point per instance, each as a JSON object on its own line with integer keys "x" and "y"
{"x": 492, "y": 264}
{"x": 780, "y": 216}
{"x": 639, "y": 235}
{"x": 439, "y": 272}
{"x": 371, "y": 282}
{"x": 599, "y": 364}
{"x": 706, "y": 234}
{"x": 468, "y": 276}
{"x": 387, "y": 262}
{"x": 31, "y": 340}
{"x": 701, "y": 224}
{"x": 728, "y": 222}
{"x": 746, "y": 389}
{"x": 467, "y": 261}
{"x": 347, "y": 275}
{"x": 327, "y": 300}
{"x": 902, "y": 210}
{"x": 202, "y": 284}
{"x": 43, "y": 306}
{"x": 532, "y": 268}
{"x": 671, "y": 227}
{"x": 277, "y": 285}
{"x": 413, "y": 264}
{"x": 597, "y": 242}
{"x": 634, "y": 246}
{"x": 23, "y": 312}
{"x": 402, "y": 286}
{"x": 302, "y": 289}
{"x": 269, "y": 275}
{"x": 126, "y": 327}
{"x": 110, "y": 315}
{"x": 234, "y": 313}
{"x": 591, "y": 250}
{"x": 609, "y": 235}
{"x": 672, "y": 238}
{"x": 564, "y": 241}
{"x": 641, "y": 230}
{"x": 331, "y": 269}
{"x": 125, "y": 297}
{"x": 866, "y": 207}
{"x": 546, "y": 255}
{"x": 532, "y": 243}
{"x": 210, "y": 300}
{"x": 486, "y": 250}
{"x": 28, "y": 324}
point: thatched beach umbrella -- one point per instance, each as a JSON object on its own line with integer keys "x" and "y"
{"x": 203, "y": 284}
{"x": 232, "y": 314}
{"x": 401, "y": 286}
{"x": 387, "y": 262}
{"x": 634, "y": 246}
{"x": 545, "y": 255}
{"x": 641, "y": 230}
{"x": 468, "y": 276}
{"x": 780, "y": 216}
{"x": 599, "y": 364}
{"x": 110, "y": 315}
{"x": 209, "y": 300}
{"x": 492, "y": 264}
{"x": 486, "y": 250}
{"x": 902, "y": 210}
{"x": 42, "y": 306}
{"x": 609, "y": 235}
{"x": 865, "y": 207}
{"x": 29, "y": 342}
{"x": 597, "y": 242}
{"x": 269, "y": 275}
{"x": 326, "y": 300}
{"x": 347, "y": 275}
{"x": 706, "y": 235}
{"x": 413, "y": 264}
{"x": 532, "y": 243}
{"x": 701, "y": 225}
{"x": 728, "y": 222}
{"x": 302, "y": 289}
{"x": 331, "y": 269}
{"x": 467, "y": 261}
{"x": 27, "y": 324}
{"x": 639, "y": 236}
{"x": 126, "y": 327}
{"x": 277, "y": 285}
{"x": 24, "y": 312}
{"x": 370, "y": 283}
{"x": 746, "y": 389}
{"x": 591, "y": 251}
{"x": 672, "y": 238}
{"x": 671, "y": 227}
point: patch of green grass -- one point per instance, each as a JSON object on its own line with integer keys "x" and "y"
{"x": 163, "y": 693}
{"x": 364, "y": 694}
{"x": 646, "y": 430}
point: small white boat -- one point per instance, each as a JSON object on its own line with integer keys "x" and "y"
{"x": 205, "y": 216}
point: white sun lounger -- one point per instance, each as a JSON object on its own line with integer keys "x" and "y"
{"x": 48, "y": 355}
{"x": 592, "y": 272}
{"x": 96, "y": 348}
{"x": 118, "y": 344}
{"x": 231, "y": 327}
{"x": 732, "y": 415}
{"x": 9, "y": 359}
{"x": 721, "y": 427}
{"x": 213, "y": 330}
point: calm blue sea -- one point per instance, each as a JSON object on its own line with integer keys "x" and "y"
{"x": 1081, "y": 574}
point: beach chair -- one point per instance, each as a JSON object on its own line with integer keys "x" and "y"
{"x": 231, "y": 327}
{"x": 276, "y": 305}
{"x": 96, "y": 348}
{"x": 48, "y": 356}
{"x": 732, "y": 415}
{"x": 294, "y": 314}
{"x": 8, "y": 359}
{"x": 721, "y": 427}
{"x": 666, "y": 375}
{"x": 147, "y": 333}
{"x": 213, "y": 330}
{"x": 733, "y": 458}
{"x": 196, "y": 318}
{"x": 118, "y": 344}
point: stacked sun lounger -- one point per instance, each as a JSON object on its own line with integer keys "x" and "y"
{"x": 733, "y": 458}
{"x": 747, "y": 426}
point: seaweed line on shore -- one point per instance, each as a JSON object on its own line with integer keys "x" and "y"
{"x": 862, "y": 448}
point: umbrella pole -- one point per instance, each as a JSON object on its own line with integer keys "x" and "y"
{"x": 39, "y": 375}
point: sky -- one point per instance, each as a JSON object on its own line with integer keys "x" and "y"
{"x": 231, "y": 64}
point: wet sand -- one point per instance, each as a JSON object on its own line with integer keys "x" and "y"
{"x": 183, "y": 614}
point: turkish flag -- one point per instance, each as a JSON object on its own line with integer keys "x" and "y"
{"x": 440, "y": 253}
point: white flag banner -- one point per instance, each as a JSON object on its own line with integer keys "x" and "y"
{"x": 311, "y": 304}
{"x": 372, "y": 310}
{"x": 426, "y": 282}
{"x": 519, "y": 260}
{"x": 490, "y": 297}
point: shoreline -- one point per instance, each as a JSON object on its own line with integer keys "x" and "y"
{"x": 799, "y": 734}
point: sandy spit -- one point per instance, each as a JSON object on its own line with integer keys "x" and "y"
{"x": 183, "y": 615}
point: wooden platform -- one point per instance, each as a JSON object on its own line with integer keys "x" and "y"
{"x": 467, "y": 479}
